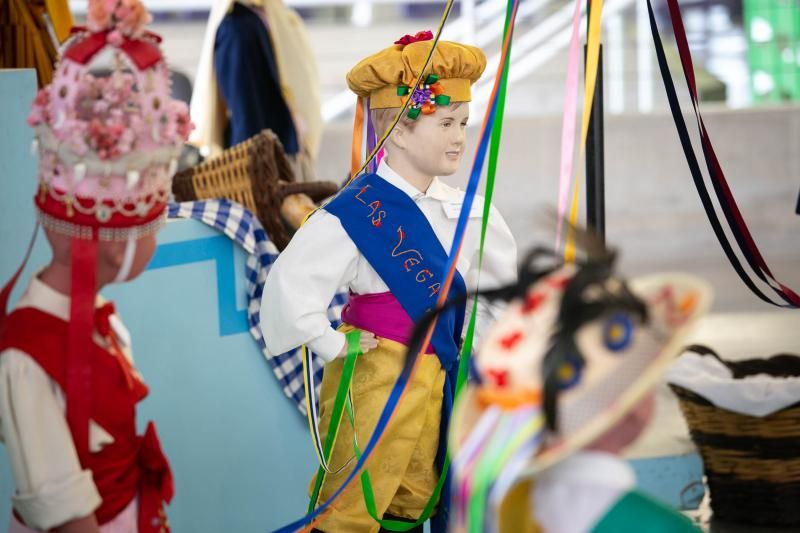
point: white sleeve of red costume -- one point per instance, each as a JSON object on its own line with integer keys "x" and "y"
{"x": 499, "y": 269}
{"x": 319, "y": 260}
{"x": 51, "y": 486}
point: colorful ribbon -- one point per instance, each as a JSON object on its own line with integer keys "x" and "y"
{"x": 568, "y": 121}
{"x": 343, "y": 394}
{"x": 733, "y": 215}
{"x": 592, "y": 62}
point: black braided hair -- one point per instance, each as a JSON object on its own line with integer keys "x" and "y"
{"x": 530, "y": 271}
{"x": 587, "y": 296}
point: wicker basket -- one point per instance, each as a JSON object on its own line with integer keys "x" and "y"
{"x": 255, "y": 173}
{"x": 752, "y": 464}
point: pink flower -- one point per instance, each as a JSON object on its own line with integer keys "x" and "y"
{"x": 99, "y": 107}
{"x": 132, "y": 17}
{"x": 39, "y": 113}
{"x": 98, "y": 17}
{"x": 73, "y": 132}
{"x": 115, "y": 38}
{"x": 122, "y": 11}
{"x": 127, "y": 139}
{"x": 179, "y": 122}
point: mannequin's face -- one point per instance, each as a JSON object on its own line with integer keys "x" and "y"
{"x": 435, "y": 143}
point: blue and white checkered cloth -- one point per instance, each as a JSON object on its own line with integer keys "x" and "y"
{"x": 235, "y": 221}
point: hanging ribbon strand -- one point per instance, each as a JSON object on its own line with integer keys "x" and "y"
{"x": 568, "y": 125}
{"x": 733, "y": 215}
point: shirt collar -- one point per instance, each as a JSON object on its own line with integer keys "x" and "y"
{"x": 436, "y": 190}
{"x": 43, "y": 297}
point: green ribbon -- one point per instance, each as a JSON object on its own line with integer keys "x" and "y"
{"x": 414, "y": 112}
{"x": 342, "y": 396}
{"x": 491, "y": 172}
{"x": 442, "y": 99}
{"x": 402, "y": 90}
{"x": 431, "y": 79}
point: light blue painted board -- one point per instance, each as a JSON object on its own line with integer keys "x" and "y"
{"x": 239, "y": 448}
{"x": 676, "y": 480}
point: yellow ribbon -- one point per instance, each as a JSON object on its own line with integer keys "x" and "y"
{"x": 592, "y": 61}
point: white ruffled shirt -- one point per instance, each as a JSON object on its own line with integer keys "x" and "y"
{"x": 321, "y": 258}
{"x": 574, "y": 495}
{"x": 52, "y": 488}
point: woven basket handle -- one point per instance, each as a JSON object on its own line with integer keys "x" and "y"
{"x": 779, "y": 365}
{"x": 702, "y": 349}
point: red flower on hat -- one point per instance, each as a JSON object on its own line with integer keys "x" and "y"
{"x": 426, "y": 35}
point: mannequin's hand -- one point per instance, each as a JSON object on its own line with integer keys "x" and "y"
{"x": 295, "y": 208}
{"x": 368, "y": 342}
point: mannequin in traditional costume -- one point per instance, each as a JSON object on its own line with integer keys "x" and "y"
{"x": 68, "y": 386}
{"x": 573, "y": 362}
{"x": 385, "y": 236}
{"x": 257, "y": 71}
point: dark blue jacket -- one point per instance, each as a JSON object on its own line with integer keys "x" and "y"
{"x": 248, "y": 79}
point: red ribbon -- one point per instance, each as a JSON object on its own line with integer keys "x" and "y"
{"x": 101, "y": 318}
{"x": 426, "y": 35}
{"x": 143, "y": 54}
{"x": 79, "y": 341}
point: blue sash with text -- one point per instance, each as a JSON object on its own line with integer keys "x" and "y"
{"x": 397, "y": 240}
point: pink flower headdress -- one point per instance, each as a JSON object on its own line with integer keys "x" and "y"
{"x": 108, "y": 146}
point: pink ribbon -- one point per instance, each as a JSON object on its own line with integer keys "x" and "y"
{"x": 568, "y": 125}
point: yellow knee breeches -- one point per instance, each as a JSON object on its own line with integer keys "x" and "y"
{"x": 401, "y": 467}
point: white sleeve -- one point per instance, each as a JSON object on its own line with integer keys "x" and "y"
{"x": 499, "y": 268}
{"x": 319, "y": 260}
{"x": 52, "y": 489}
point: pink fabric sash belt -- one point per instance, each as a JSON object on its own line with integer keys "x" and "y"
{"x": 382, "y": 314}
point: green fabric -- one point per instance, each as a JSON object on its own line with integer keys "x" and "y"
{"x": 638, "y": 513}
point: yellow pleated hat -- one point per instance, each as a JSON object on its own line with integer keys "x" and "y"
{"x": 386, "y": 77}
